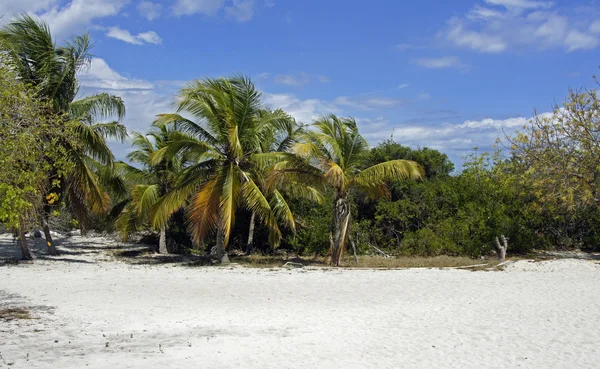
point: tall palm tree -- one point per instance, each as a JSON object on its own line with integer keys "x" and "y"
{"x": 333, "y": 153}
{"x": 148, "y": 184}
{"x": 226, "y": 137}
{"x": 278, "y": 141}
{"x": 29, "y": 48}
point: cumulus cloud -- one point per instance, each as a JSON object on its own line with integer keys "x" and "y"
{"x": 64, "y": 18}
{"x": 455, "y": 139}
{"x": 149, "y": 10}
{"x": 240, "y": 10}
{"x": 496, "y": 26}
{"x": 143, "y": 99}
{"x": 100, "y": 75}
{"x": 149, "y": 37}
{"x": 305, "y": 111}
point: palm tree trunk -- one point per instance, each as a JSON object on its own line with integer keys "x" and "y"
{"x": 220, "y": 247}
{"x": 46, "y": 228}
{"x": 162, "y": 241}
{"x": 339, "y": 229}
{"x": 250, "y": 234}
{"x": 25, "y": 252}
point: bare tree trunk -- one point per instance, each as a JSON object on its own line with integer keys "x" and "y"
{"x": 354, "y": 250}
{"x": 221, "y": 253}
{"x": 501, "y": 248}
{"x": 25, "y": 252}
{"x": 339, "y": 229}
{"x": 46, "y": 228}
{"x": 162, "y": 241}
{"x": 250, "y": 234}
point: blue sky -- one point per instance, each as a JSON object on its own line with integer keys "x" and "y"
{"x": 450, "y": 75}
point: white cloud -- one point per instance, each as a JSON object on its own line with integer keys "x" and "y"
{"x": 99, "y": 75}
{"x": 522, "y": 4}
{"x": 240, "y": 10}
{"x": 13, "y": 7}
{"x": 298, "y": 79}
{"x": 64, "y": 17}
{"x": 305, "y": 111}
{"x": 149, "y": 10}
{"x": 189, "y": 7}
{"x": 502, "y": 25}
{"x": 143, "y": 99}
{"x": 78, "y": 14}
{"x": 576, "y": 40}
{"x": 404, "y": 85}
{"x": 291, "y": 80}
{"x": 456, "y": 140}
{"x": 440, "y": 63}
{"x": 457, "y": 34}
{"x": 149, "y": 37}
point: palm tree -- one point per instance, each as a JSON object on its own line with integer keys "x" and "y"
{"x": 226, "y": 137}
{"x": 333, "y": 153}
{"x": 29, "y": 48}
{"x": 148, "y": 184}
{"x": 279, "y": 140}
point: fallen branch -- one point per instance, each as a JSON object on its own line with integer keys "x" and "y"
{"x": 385, "y": 255}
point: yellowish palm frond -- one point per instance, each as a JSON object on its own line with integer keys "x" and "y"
{"x": 374, "y": 178}
{"x": 282, "y": 211}
{"x": 336, "y": 177}
{"x": 203, "y": 212}
{"x": 229, "y": 199}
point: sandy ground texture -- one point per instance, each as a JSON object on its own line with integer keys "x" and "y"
{"x": 91, "y": 311}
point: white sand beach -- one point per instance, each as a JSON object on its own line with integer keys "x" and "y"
{"x": 94, "y": 312}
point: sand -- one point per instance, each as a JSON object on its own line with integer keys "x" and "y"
{"x": 94, "y": 312}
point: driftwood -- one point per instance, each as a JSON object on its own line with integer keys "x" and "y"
{"x": 289, "y": 264}
{"x": 501, "y": 248}
{"x": 384, "y": 254}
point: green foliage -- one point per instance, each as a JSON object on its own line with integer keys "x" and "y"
{"x": 312, "y": 229}
{"x": 29, "y": 51}
{"x": 556, "y": 158}
{"x": 25, "y": 128}
{"x": 433, "y": 162}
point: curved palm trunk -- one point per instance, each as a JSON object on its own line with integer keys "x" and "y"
{"x": 220, "y": 247}
{"x": 162, "y": 241}
{"x": 339, "y": 228}
{"x": 46, "y": 228}
{"x": 251, "y": 234}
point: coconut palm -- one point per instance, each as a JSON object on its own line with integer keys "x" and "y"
{"x": 277, "y": 142}
{"x": 333, "y": 153}
{"x": 29, "y": 48}
{"x": 226, "y": 137}
{"x": 148, "y": 184}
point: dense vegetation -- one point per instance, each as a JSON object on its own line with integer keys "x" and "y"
{"x": 237, "y": 174}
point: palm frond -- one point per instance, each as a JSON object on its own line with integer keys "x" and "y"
{"x": 100, "y": 106}
{"x": 375, "y": 177}
{"x": 203, "y": 212}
